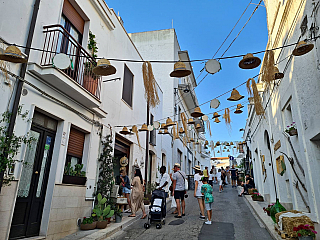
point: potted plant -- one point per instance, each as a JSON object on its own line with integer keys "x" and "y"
{"x": 102, "y": 211}
{"x": 150, "y": 188}
{"x": 252, "y": 190}
{"x": 74, "y": 175}
{"x": 118, "y": 215}
{"x": 146, "y": 201}
{"x": 268, "y": 209}
{"x": 292, "y": 129}
{"x": 90, "y": 80}
{"x": 257, "y": 197}
{"x": 88, "y": 223}
{"x": 305, "y": 232}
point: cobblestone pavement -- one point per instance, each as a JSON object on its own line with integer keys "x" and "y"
{"x": 232, "y": 219}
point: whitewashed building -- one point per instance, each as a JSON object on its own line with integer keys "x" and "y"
{"x": 295, "y": 98}
{"x": 178, "y": 97}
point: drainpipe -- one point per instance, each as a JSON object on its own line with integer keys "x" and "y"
{"x": 22, "y": 74}
{"x": 147, "y": 147}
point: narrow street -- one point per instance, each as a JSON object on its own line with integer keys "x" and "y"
{"x": 232, "y": 219}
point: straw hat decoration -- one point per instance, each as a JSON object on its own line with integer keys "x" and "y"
{"x": 224, "y": 147}
{"x": 249, "y": 62}
{"x": 267, "y": 70}
{"x": 180, "y": 70}
{"x": 13, "y": 54}
{"x": 166, "y": 131}
{"x": 238, "y": 111}
{"x": 163, "y": 126}
{"x": 104, "y": 68}
{"x": 227, "y": 144}
{"x": 216, "y": 120}
{"x": 191, "y": 140}
{"x": 228, "y": 150}
{"x": 160, "y": 132}
{"x": 218, "y": 151}
{"x": 197, "y": 112}
{"x": 239, "y": 105}
{"x": 191, "y": 121}
{"x": 235, "y": 95}
{"x": 151, "y": 93}
{"x": 169, "y": 122}
{"x": 277, "y": 74}
{"x": 144, "y": 128}
{"x": 302, "y": 48}
{"x": 253, "y": 90}
{"x": 124, "y": 131}
{"x": 135, "y": 130}
{"x": 181, "y": 131}
{"x": 218, "y": 143}
{"x": 215, "y": 115}
{"x": 231, "y": 143}
{"x": 198, "y": 126}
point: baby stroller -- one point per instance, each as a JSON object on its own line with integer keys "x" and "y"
{"x": 157, "y": 208}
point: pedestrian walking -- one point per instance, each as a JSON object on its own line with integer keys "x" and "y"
{"x": 206, "y": 190}
{"x": 164, "y": 181}
{"x": 214, "y": 171}
{"x": 211, "y": 177}
{"x": 233, "y": 173}
{"x": 137, "y": 195}
{"x": 178, "y": 185}
{"x": 219, "y": 175}
{"x": 126, "y": 187}
{"x": 197, "y": 190}
{"x": 223, "y": 176}
{"x": 228, "y": 176}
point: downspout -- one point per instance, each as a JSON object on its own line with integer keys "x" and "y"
{"x": 22, "y": 74}
{"x": 147, "y": 147}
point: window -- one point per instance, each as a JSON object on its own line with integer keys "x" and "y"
{"x": 127, "y": 86}
{"x": 152, "y": 133}
{"x": 164, "y": 162}
{"x": 75, "y": 147}
{"x": 180, "y": 157}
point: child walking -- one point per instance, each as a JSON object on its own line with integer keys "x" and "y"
{"x": 206, "y": 190}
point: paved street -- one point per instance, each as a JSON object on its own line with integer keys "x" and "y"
{"x": 232, "y": 219}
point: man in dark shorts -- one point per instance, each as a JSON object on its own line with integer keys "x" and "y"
{"x": 233, "y": 172}
{"x": 178, "y": 186}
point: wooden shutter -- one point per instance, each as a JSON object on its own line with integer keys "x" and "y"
{"x": 73, "y": 16}
{"x": 76, "y": 142}
{"x": 127, "y": 86}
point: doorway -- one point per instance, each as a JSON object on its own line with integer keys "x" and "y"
{"x": 121, "y": 149}
{"x": 32, "y": 188}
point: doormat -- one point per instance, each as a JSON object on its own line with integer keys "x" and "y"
{"x": 220, "y": 231}
{"x": 176, "y": 222}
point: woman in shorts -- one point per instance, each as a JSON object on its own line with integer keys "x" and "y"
{"x": 206, "y": 191}
{"x": 219, "y": 180}
{"x": 197, "y": 190}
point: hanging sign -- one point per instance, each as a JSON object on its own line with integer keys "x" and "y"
{"x": 212, "y": 66}
{"x": 124, "y": 161}
{"x": 61, "y": 61}
{"x": 215, "y": 103}
{"x": 277, "y": 145}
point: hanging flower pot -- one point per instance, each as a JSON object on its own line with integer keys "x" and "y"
{"x": 291, "y": 129}
{"x": 293, "y": 132}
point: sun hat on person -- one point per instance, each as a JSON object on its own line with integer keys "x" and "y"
{"x": 177, "y": 165}
{"x": 197, "y": 167}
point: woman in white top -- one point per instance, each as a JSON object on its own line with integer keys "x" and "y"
{"x": 197, "y": 190}
{"x": 219, "y": 180}
{"x": 211, "y": 176}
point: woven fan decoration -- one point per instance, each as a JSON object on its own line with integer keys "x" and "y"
{"x": 135, "y": 130}
{"x": 149, "y": 81}
{"x": 175, "y": 132}
{"x": 253, "y": 91}
{"x": 227, "y": 118}
{"x": 267, "y": 74}
{"x": 184, "y": 123}
{"x": 208, "y": 127}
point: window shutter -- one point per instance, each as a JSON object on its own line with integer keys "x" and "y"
{"x": 127, "y": 86}
{"x": 76, "y": 142}
{"x": 73, "y": 16}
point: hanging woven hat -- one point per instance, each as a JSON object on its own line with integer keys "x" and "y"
{"x": 234, "y": 147}
{"x": 197, "y": 112}
{"x": 124, "y": 131}
{"x": 181, "y": 130}
{"x": 191, "y": 121}
{"x": 180, "y": 70}
{"x": 239, "y": 105}
{"x": 235, "y": 95}
{"x": 215, "y": 115}
{"x": 104, "y": 68}
{"x": 197, "y": 142}
{"x": 249, "y": 62}
{"x": 216, "y": 120}
{"x": 144, "y": 128}
{"x": 166, "y": 131}
{"x": 218, "y": 143}
{"x": 191, "y": 140}
{"x": 169, "y": 122}
{"x": 197, "y": 167}
{"x": 223, "y": 150}
{"x": 302, "y": 48}
{"x": 160, "y": 132}
{"x": 198, "y": 126}
{"x": 224, "y": 147}
{"x": 13, "y": 54}
{"x": 163, "y": 126}
{"x": 228, "y": 150}
{"x": 228, "y": 144}
{"x": 277, "y": 74}
{"x": 231, "y": 143}
{"x": 238, "y": 111}
{"x": 206, "y": 142}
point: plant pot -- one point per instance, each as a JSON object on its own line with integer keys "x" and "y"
{"x": 293, "y": 132}
{"x": 102, "y": 224}
{"x": 305, "y": 238}
{"x": 259, "y": 198}
{"x": 276, "y": 208}
{"x": 90, "y": 83}
{"x": 149, "y": 196}
{"x": 74, "y": 180}
{"x": 118, "y": 219}
{"x": 88, "y": 226}
{"x": 146, "y": 202}
{"x": 268, "y": 213}
{"x": 108, "y": 220}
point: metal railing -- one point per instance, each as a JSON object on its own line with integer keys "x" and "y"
{"x": 58, "y": 40}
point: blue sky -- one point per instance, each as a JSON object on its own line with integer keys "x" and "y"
{"x": 201, "y": 27}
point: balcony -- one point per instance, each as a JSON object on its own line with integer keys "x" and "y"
{"x": 78, "y": 81}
